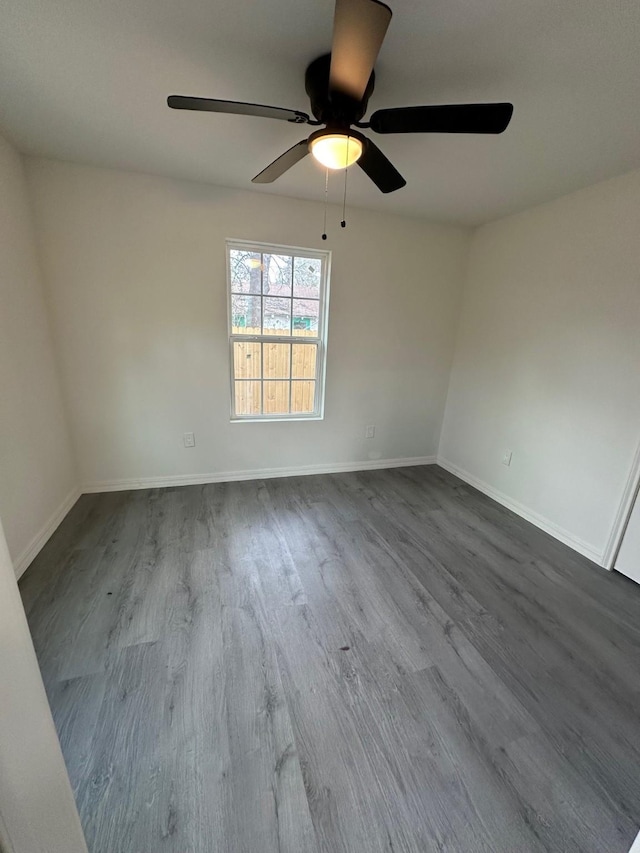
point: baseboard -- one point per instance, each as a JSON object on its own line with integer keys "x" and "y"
{"x": 622, "y": 515}
{"x": 255, "y": 474}
{"x": 540, "y": 521}
{"x": 49, "y": 527}
{"x": 28, "y": 555}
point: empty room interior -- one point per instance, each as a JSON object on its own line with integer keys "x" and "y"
{"x": 319, "y": 426}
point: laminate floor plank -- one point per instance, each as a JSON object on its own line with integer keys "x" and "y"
{"x": 351, "y": 796}
{"x": 266, "y": 794}
{"x": 339, "y": 607}
{"x": 541, "y": 665}
{"x": 444, "y": 770}
{"x": 531, "y": 819}
{"x": 74, "y": 596}
{"x": 50, "y": 562}
{"x": 124, "y": 773}
{"x": 193, "y": 696}
{"x": 347, "y": 663}
{"x": 76, "y": 705}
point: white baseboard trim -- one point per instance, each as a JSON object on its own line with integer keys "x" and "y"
{"x": 36, "y": 544}
{"x": 255, "y": 474}
{"x": 622, "y": 515}
{"x": 28, "y": 555}
{"x": 540, "y": 521}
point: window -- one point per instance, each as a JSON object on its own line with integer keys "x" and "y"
{"x": 278, "y": 299}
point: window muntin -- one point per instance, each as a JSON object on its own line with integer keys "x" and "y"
{"x": 277, "y": 330}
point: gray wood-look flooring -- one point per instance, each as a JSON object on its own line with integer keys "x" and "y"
{"x": 380, "y": 661}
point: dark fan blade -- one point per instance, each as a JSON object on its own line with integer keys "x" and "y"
{"x": 381, "y": 171}
{"x": 182, "y": 102}
{"x": 359, "y": 28}
{"x": 285, "y": 161}
{"x": 456, "y": 118}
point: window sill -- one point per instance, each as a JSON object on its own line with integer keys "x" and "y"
{"x": 275, "y": 420}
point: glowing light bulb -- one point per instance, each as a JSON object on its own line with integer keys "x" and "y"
{"x": 336, "y": 150}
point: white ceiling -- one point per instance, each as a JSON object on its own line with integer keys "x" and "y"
{"x": 87, "y": 80}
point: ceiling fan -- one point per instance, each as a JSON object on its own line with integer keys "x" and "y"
{"x": 339, "y": 85}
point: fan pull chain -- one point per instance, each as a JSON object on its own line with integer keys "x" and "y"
{"x": 343, "y": 223}
{"x": 326, "y": 193}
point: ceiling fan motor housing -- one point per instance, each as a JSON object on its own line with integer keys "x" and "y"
{"x": 335, "y": 109}
{"x": 332, "y": 129}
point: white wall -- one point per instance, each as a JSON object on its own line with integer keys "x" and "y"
{"x": 136, "y": 273}
{"x": 37, "y": 476}
{"x": 547, "y": 360}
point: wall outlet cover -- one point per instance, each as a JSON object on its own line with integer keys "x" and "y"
{"x": 189, "y": 439}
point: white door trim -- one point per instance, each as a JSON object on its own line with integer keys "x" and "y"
{"x": 621, "y": 520}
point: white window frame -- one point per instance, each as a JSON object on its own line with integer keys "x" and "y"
{"x": 320, "y": 340}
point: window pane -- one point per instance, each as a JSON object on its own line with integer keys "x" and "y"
{"x": 276, "y": 280}
{"x": 302, "y": 397}
{"x": 306, "y": 277}
{"x": 245, "y": 315}
{"x": 303, "y": 364}
{"x": 305, "y": 317}
{"x": 277, "y": 316}
{"x": 245, "y": 269}
{"x": 276, "y": 398}
{"x": 276, "y": 360}
{"x": 248, "y": 398}
{"x": 246, "y": 360}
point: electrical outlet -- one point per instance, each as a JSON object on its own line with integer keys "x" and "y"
{"x": 506, "y": 459}
{"x": 369, "y": 432}
{"x": 189, "y": 439}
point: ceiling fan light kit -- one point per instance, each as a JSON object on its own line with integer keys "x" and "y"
{"x": 336, "y": 150}
{"x": 339, "y": 85}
